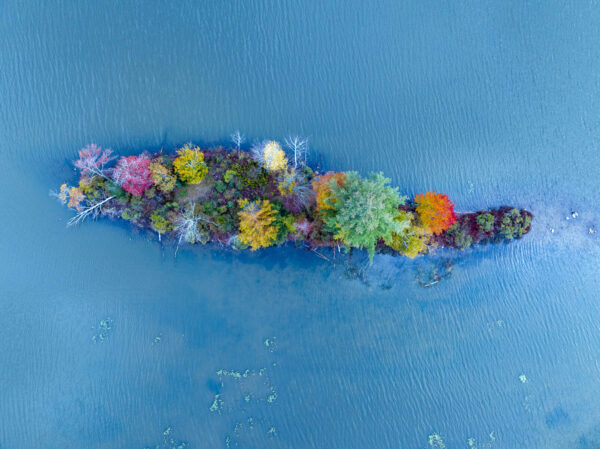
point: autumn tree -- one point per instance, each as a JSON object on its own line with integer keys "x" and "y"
{"x": 270, "y": 155}
{"x": 364, "y": 211}
{"x": 322, "y": 185}
{"x": 71, "y": 196}
{"x": 189, "y": 164}
{"x": 92, "y": 160}
{"x": 435, "y": 212}
{"x": 257, "y": 223}
{"x": 76, "y": 196}
{"x": 162, "y": 177}
{"x": 294, "y": 189}
{"x": 411, "y": 242}
{"x": 133, "y": 175}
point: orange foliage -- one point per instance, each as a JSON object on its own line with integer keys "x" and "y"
{"x": 436, "y": 212}
{"x": 321, "y": 186}
{"x": 76, "y": 196}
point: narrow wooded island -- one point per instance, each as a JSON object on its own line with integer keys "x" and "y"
{"x": 267, "y": 196}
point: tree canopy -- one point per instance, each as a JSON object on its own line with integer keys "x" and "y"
{"x": 365, "y": 210}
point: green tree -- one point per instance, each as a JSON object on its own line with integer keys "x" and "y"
{"x": 365, "y": 210}
{"x": 485, "y": 221}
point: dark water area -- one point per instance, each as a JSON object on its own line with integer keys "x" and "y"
{"x": 107, "y": 340}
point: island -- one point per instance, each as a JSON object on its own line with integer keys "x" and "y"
{"x": 268, "y": 195}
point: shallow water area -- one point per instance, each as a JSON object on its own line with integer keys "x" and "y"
{"x": 108, "y": 340}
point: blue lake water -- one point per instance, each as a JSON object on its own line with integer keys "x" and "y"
{"x": 109, "y": 341}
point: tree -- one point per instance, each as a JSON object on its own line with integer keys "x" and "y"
{"x": 92, "y": 160}
{"x": 294, "y": 188}
{"x": 485, "y": 221}
{"x": 435, "y": 211}
{"x": 303, "y": 226}
{"x": 365, "y": 210}
{"x": 187, "y": 226}
{"x": 514, "y": 224}
{"x": 299, "y": 147}
{"x": 322, "y": 185}
{"x": 162, "y": 177}
{"x": 270, "y": 155}
{"x": 257, "y": 228}
{"x": 133, "y": 175}
{"x": 76, "y": 196}
{"x": 411, "y": 241}
{"x": 190, "y": 165}
{"x": 92, "y": 209}
{"x": 237, "y": 138}
{"x": 160, "y": 224}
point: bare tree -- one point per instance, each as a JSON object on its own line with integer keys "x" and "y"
{"x": 238, "y": 138}
{"x": 299, "y": 147}
{"x": 93, "y": 209}
{"x": 186, "y": 227}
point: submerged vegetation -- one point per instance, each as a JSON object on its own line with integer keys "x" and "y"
{"x": 268, "y": 196}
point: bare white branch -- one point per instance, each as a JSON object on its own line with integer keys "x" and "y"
{"x": 238, "y": 138}
{"x": 186, "y": 227}
{"x": 93, "y": 210}
{"x": 299, "y": 148}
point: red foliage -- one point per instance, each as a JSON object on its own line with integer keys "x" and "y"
{"x": 92, "y": 159}
{"x": 304, "y": 226}
{"x": 436, "y": 212}
{"x": 133, "y": 175}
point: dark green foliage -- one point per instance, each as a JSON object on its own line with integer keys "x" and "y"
{"x": 514, "y": 224}
{"x": 251, "y": 175}
{"x": 220, "y": 186}
{"x": 116, "y": 191}
{"x": 485, "y": 222}
{"x": 459, "y": 237}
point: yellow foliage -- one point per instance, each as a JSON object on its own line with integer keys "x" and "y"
{"x": 162, "y": 177}
{"x": 256, "y": 223}
{"x": 287, "y": 183}
{"x": 76, "y": 196}
{"x": 274, "y": 156}
{"x": 190, "y": 165}
{"x": 63, "y": 194}
{"x": 411, "y": 242}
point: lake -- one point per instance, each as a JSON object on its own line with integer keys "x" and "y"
{"x": 109, "y": 340}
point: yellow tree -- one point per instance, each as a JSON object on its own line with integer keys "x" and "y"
{"x": 270, "y": 156}
{"x": 162, "y": 177}
{"x": 257, "y": 228}
{"x": 76, "y": 196}
{"x": 189, "y": 164}
{"x": 411, "y": 242}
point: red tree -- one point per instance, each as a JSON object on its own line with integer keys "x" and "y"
{"x": 133, "y": 175}
{"x": 92, "y": 160}
{"x": 436, "y": 212}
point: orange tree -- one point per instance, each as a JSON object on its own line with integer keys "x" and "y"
{"x": 322, "y": 187}
{"x": 436, "y": 212}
